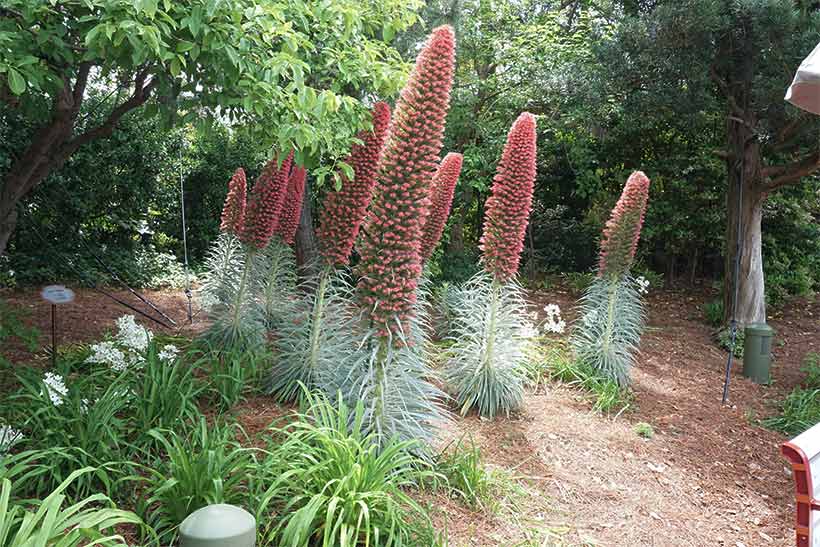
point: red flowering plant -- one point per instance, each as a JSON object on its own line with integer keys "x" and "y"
{"x": 345, "y": 208}
{"x": 387, "y": 372}
{"x": 442, "y": 189}
{"x": 319, "y": 329}
{"x": 265, "y": 203}
{"x": 608, "y": 334}
{"x": 292, "y": 208}
{"x": 233, "y": 212}
{"x": 490, "y": 327}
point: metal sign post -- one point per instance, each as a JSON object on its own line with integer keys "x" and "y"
{"x": 56, "y": 294}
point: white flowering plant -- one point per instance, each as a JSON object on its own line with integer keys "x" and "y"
{"x": 553, "y": 324}
{"x": 129, "y": 347}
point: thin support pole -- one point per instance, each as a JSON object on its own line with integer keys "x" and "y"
{"x": 54, "y": 336}
{"x": 188, "y": 294}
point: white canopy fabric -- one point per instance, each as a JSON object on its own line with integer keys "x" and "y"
{"x": 805, "y": 89}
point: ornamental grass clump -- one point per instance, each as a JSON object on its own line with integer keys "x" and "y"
{"x": 612, "y": 317}
{"x": 319, "y": 331}
{"x": 490, "y": 327}
{"x": 387, "y": 372}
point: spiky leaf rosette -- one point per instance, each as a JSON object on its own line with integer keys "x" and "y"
{"x": 275, "y": 275}
{"x": 441, "y": 200}
{"x": 345, "y": 208}
{"x": 233, "y": 212}
{"x": 316, "y": 333}
{"x": 396, "y": 385}
{"x": 391, "y": 263}
{"x": 292, "y": 207}
{"x": 486, "y": 371}
{"x": 609, "y": 331}
{"x": 223, "y": 266}
{"x": 265, "y": 203}
{"x": 508, "y": 208}
{"x": 623, "y": 229}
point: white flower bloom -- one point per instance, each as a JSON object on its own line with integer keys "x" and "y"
{"x": 56, "y": 388}
{"x": 528, "y": 330}
{"x": 643, "y": 284}
{"x": 554, "y": 323}
{"x": 107, "y": 353}
{"x": 131, "y": 335}
{"x": 169, "y": 353}
{"x": 8, "y": 437}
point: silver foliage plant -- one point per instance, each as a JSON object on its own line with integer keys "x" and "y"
{"x": 316, "y": 334}
{"x": 394, "y": 382}
{"x": 489, "y": 330}
{"x": 223, "y": 267}
{"x": 609, "y": 332}
{"x": 277, "y": 281}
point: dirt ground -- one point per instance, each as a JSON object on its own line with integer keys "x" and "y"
{"x": 709, "y": 476}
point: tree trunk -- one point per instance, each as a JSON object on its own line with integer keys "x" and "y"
{"x": 6, "y": 229}
{"x": 307, "y": 250}
{"x": 745, "y": 204}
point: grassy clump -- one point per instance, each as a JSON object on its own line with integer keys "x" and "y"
{"x": 800, "y": 409}
{"x": 644, "y": 430}
{"x": 713, "y": 312}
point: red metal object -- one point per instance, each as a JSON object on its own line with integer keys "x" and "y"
{"x": 804, "y": 492}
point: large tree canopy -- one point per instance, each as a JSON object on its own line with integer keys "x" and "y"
{"x": 292, "y": 71}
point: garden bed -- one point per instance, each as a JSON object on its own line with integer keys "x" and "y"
{"x": 709, "y": 475}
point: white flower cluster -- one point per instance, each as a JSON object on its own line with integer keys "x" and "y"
{"x": 554, "y": 323}
{"x": 528, "y": 328}
{"x": 55, "y": 385}
{"x": 128, "y": 347}
{"x": 132, "y": 336}
{"x": 643, "y": 284}
{"x": 8, "y": 437}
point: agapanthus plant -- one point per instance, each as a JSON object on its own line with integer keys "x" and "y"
{"x": 318, "y": 331}
{"x": 387, "y": 373}
{"x": 490, "y": 325}
{"x": 612, "y": 317}
{"x": 441, "y": 200}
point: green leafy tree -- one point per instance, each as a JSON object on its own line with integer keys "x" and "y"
{"x": 291, "y": 70}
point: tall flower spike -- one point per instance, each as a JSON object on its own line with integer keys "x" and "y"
{"x": 391, "y": 263}
{"x": 623, "y": 229}
{"x": 292, "y": 209}
{"x": 441, "y": 200}
{"x": 265, "y": 203}
{"x": 233, "y": 212}
{"x": 344, "y": 209}
{"x": 508, "y": 209}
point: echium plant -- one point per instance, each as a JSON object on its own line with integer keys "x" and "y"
{"x": 441, "y": 200}
{"x": 319, "y": 332}
{"x": 485, "y": 372}
{"x": 612, "y": 317}
{"x": 388, "y": 374}
{"x": 239, "y": 320}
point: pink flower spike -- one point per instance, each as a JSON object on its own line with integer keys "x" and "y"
{"x": 265, "y": 203}
{"x": 292, "y": 209}
{"x": 345, "y": 209}
{"x": 233, "y": 212}
{"x": 390, "y": 245}
{"x": 442, "y": 189}
{"x": 508, "y": 208}
{"x": 622, "y": 232}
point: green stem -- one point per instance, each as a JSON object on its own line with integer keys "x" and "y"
{"x": 381, "y": 365}
{"x": 488, "y": 351}
{"x": 610, "y": 314}
{"x": 240, "y": 294}
{"x": 317, "y": 318}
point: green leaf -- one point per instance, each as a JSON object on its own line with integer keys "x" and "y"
{"x": 17, "y": 83}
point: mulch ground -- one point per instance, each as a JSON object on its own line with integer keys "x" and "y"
{"x": 710, "y": 475}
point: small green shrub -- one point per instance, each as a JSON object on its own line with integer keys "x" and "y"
{"x": 48, "y": 522}
{"x": 469, "y": 479}
{"x": 799, "y": 411}
{"x": 579, "y": 281}
{"x": 724, "y": 339}
{"x": 811, "y": 366}
{"x": 713, "y": 312}
{"x": 339, "y": 487}
{"x": 645, "y": 430}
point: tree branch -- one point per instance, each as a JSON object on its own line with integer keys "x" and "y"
{"x": 790, "y": 173}
{"x": 727, "y": 92}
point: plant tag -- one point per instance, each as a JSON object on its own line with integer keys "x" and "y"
{"x": 57, "y": 294}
